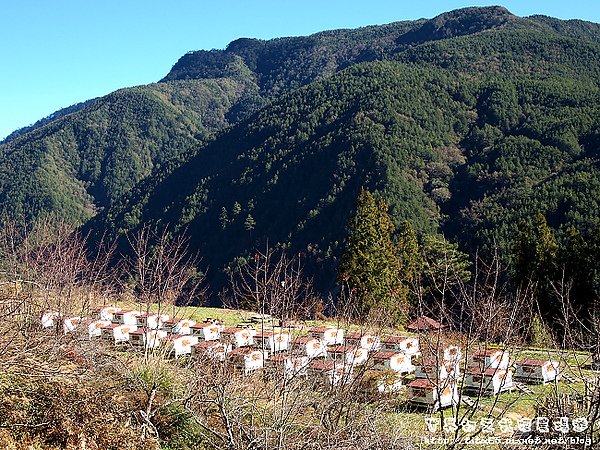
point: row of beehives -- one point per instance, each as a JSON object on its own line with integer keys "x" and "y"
{"x": 437, "y": 379}
{"x": 325, "y": 351}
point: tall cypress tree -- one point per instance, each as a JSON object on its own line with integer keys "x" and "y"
{"x": 370, "y": 265}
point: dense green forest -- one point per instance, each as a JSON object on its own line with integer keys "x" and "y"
{"x": 466, "y": 125}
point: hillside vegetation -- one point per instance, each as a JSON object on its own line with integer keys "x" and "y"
{"x": 466, "y": 124}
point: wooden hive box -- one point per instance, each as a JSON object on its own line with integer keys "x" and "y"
{"x": 531, "y": 370}
{"x": 51, "y": 319}
{"x": 238, "y": 337}
{"x": 95, "y": 327}
{"x": 272, "y": 341}
{"x": 309, "y": 346}
{"x": 207, "y": 331}
{"x": 409, "y": 345}
{"x": 328, "y": 335}
{"x": 104, "y": 312}
{"x": 490, "y": 358}
{"x": 247, "y": 358}
{"x": 331, "y": 372}
{"x": 126, "y": 317}
{"x": 72, "y": 323}
{"x": 491, "y": 381}
{"x": 368, "y": 341}
{"x": 147, "y": 339}
{"x": 292, "y": 365}
{"x": 121, "y": 333}
{"x": 344, "y": 354}
{"x": 151, "y": 321}
{"x": 394, "y": 361}
{"x": 213, "y": 350}
{"x": 180, "y": 345}
{"x": 425, "y": 392}
{"x": 178, "y": 326}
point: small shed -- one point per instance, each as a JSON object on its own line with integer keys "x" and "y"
{"x": 95, "y": 327}
{"x": 71, "y": 324}
{"x": 126, "y": 317}
{"x": 272, "y": 341}
{"x": 238, "y": 337}
{"x": 531, "y": 370}
{"x": 395, "y": 361}
{"x": 178, "y": 326}
{"x": 489, "y": 381}
{"x": 104, "y": 312}
{"x": 328, "y": 335}
{"x": 409, "y": 345}
{"x": 246, "y": 358}
{"x": 331, "y": 372}
{"x": 207, "y": 331}
{"x": 368, "y": 341}
{"x": 309, "y": 346}
{"x": 211, "y": 349}
{"x": 149, "y": 339}
{"x": 424, "y": 324}
{"x": 490, "y": 358}
{"x": 426, "y": 392}
{"x": 292, "y": 365}
{"x": 346, "y": 354}
{"x": 151, "y": 321}
{"x": 179, "y": 345}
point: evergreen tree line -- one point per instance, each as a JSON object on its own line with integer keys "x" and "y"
{"x": 388, "y": 269}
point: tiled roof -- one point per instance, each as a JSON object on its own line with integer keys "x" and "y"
{"x": 424, "y": 323}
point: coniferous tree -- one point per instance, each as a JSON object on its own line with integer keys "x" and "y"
{"x": 535, "y": 253}
{"x": 408, "y": 247}
{"x": 249, "y": 223}
{"x": 370, "y": 265}
{"x": 535, "y": 256}
{"x": 224, "y": 217}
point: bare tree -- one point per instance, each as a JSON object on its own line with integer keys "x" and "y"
{"x": 273, "y": 283}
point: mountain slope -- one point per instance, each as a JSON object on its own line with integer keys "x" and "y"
{"x": 465, "y": 123}
{"x": 84, "y": 161}
{"x": 470, "y": 157}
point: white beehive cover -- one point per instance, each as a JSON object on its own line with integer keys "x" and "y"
{"x": 95, "y": 327}
{"x": 104, "y": 312}
{"x": 329, "y": 335}
{"x": 490, "y": 359}
{"x": 367, "y": 341}
{"x": 272, "y": 341}
{"x": 121, "y": 332}
{"x": 211, "y": 349}
{"x": 395, "y": 361}
{"x": 50, "y": 319}
{"x": 309, "y": 346}
{"x": 71, "y": 324}
{"x": 126, "y": 317}
{"x": 182, "y": 345}
{"x": 239, "y": 337}
{"x": 207, "y": 330}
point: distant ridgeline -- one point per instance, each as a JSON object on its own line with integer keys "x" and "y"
{"x": 466, "y": 124}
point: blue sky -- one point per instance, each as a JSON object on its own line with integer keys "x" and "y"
{"x": 56, "y": 53}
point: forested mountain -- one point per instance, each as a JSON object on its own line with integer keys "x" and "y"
{"x": 82, "y": 162}
{"x": 466, "y": 124}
